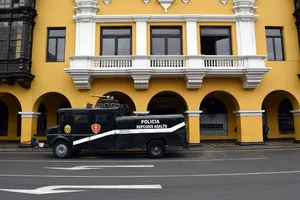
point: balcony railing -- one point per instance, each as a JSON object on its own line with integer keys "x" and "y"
{"x": 194, "y": 68}
{"x": 199, "y": 61}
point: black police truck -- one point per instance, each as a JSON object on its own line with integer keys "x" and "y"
{"x": 109, "y": 126}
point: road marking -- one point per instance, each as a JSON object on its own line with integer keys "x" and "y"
{"x": 133, "y": 161}
{"x": 99, "y": 167}
{"x": 53, "y": 189}
{"x": 151, "y": 176}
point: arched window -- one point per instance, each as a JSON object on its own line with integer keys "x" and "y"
{"x": 213, "y": 120}
{"x": 3, "y": 119}
{"x": 285, "y": 117}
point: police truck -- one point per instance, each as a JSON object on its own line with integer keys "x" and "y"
{"x": 109, "y": 126}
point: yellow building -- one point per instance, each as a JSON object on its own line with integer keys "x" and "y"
{"x": 225, "y": 64}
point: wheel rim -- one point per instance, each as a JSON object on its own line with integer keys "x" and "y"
{"x": 156, "y": 150}
{"x": 61, "y": 150}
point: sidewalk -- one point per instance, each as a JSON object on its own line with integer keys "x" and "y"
{"x": 205, "y": 145}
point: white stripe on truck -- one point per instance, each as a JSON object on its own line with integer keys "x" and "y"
{"x": 129, "y": 131}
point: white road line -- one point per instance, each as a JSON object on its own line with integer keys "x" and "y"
{"x": 151, "y": 176}
{"x": 132, "y": 161}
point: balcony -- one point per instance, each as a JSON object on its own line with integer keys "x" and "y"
{"x": 83, "y": 69}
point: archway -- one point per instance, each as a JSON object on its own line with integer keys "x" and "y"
{"x": 217, "y": 120}
{"x": 278, "y": 105}
{"x": 47, "y": 105}
{"x": 167, "y": 102}
{"x": 3, "y": 119}
{"x": 10, "y": 120}
{"x": 123, "y": 99}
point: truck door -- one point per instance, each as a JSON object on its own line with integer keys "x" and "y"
{"x": 80, "y": 129}
{"x": 102, "y": 128}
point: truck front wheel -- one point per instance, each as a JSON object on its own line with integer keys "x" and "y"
{"x": 156, "y": 149}
{"x": 62, "y": 149}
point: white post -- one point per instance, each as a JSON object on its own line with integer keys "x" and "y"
{"x": 245, "y": 29}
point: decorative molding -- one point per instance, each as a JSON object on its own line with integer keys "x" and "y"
{"x": 295, "y": 112}
{"x": 29, "y": 114}
{"x": 185, "y": 1}
{"x": 86, "y": 8}
{"x": 193, "y": 113}
{"x": 141, "y": 78}
{"x": 194, "y": 77}
{"x": 244, "y": 8}
{"x": 81, "y": 77}
{"x": 248, "y": 113}
{"x": 107, "y": 1}
{"x": 224, "y": 2}
{"x": 141, "y": 112}
{"x": 146, "y": 1}
{"x": 252, "y": 77}
{"x": 165, "y": 4}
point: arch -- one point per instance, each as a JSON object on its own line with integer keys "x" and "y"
{"x": 3, "y": 119}
{"x": 277, "y": 105}
{"x": 48, "y": 96}
{"x": 217, "y": 118}
{"x": 167, "y": 102}
{"x": 123, "y": 99}
{"x": 10, "y": 120}
{"x": 48, "y": 105}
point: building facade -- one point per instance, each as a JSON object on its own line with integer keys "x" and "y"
{"x": 228, "y": 65}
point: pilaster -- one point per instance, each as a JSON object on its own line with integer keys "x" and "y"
{"x": 85, "y": 27}
{"x": 193, "y": 127}
{"x": 245, "y": 29}
{"x": 141, "y": 34}
{"x": 29, "y": 128}
{"x": 296, "y": 114}
{"x": 249, "y": 127}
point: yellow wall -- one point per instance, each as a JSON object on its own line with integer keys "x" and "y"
{"x": 50, "y": 77}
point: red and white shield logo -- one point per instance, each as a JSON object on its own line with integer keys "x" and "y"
{"x": 96, "y": 128}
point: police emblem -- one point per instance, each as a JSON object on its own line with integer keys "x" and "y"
{"x": 96, "y": 128}
{"x": 67, "y": 129}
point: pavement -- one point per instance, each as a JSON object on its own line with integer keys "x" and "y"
{"x": 211, "y": 173}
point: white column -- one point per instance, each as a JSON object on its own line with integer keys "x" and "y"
{"x": 141, "y": 34}
{"x": 245, "y": 29}
{"x": 85, "y": 27}
{"x": 192, "y": 36}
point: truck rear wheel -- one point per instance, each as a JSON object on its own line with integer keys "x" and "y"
{"x": 156, "y": 149}
{"x": 62, "y": 149}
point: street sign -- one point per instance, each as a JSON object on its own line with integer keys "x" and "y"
{"x": 56, "y": 189}
{"x": 99, "y": 167}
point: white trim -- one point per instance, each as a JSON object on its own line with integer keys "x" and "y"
{"x": 163, "y": 18}
{"x": 141, "y": 112}
{"x": 248, "y": 113}
{"x": 295, "y": 112}
{"x": 129, "y": 131}
{"x": 193, "y": 113}
{"x": 29, "y": 114}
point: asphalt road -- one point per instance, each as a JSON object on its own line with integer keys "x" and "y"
{"x": 249, "y": 174}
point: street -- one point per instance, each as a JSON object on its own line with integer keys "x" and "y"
{"x": 224, "y": 174}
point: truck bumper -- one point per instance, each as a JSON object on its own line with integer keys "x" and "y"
{"x": 193, "y": 145}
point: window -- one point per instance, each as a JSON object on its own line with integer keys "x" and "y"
{"x": 56, "y": 45}
{"x": 166, "y": 41}
{"x": 116, "y": 41}
{"x": 215, "y": 40}
{"x": 4, "y": 29}
{"x": 275, "y": 44}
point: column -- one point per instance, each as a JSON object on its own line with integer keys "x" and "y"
{"x": 192, "y": 36}
{"x": 29, "y": 128}
{"x": 85, "y": 27}
{"x": 296, "y": 114}
{"x": 249, "y": 127}
{"x": 193, "y": 127}
{"x": 245, "y": 29}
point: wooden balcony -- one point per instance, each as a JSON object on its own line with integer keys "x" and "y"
{"x": 250, "y": 69}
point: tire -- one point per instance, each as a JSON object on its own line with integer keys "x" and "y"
{"x": 62, "y": 149}
{"x": 156, "y": 149}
